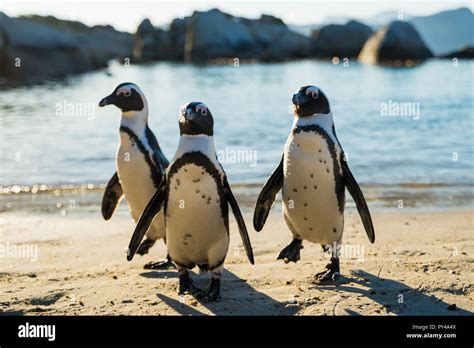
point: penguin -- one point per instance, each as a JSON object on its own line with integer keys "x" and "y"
{"x": 140, "y": 165}
{"x": 195, "y": 197}
{"x": 313, "y": 174}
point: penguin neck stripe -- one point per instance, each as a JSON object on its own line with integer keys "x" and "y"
{"x": 155, "y": 175}
{"x": 338, "y": 178}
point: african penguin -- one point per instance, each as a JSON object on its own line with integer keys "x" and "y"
{"x": 140, "y": 165}
{"x": 313, "y": 175}
{"x": 195, "y": 197}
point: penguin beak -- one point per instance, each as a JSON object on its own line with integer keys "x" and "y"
{"x": 109, "y": 100}
{"x": 191, "y": 115}
{"x": 297, "y": 100}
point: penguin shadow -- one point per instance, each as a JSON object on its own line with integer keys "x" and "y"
{"x": 237, "y": 298}
{"x": 396, "y": 297}
{"x": 13, "y": 313}
{"x": 159, "y": 274}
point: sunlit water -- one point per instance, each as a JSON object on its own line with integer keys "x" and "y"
{"x": 419, "y": 153}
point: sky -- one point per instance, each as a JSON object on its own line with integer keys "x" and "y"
{"x": 126, "y": 15}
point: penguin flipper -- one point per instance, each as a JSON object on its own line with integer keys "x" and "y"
{"x": 361, "y": 204}
{"x": 240, "y": 220}
{"x": 153, "y": 207}
{"x": 267, "y": 197}
{"x": 112, "y": 195}
{"x": 159, "y": 158}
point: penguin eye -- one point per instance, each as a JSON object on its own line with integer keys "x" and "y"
{"x": 313, "y": 93}
{"x": 127, "y": 92}
{"x": 202, "y": 109}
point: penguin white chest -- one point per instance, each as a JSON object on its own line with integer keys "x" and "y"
{"x": 135, "y": 175}
{"x": 136, "y": 179}
{"x": 196, "y": 225}
{"x": 312, "y": 177}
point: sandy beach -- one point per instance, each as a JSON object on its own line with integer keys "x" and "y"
{"x": 421, "y": 263}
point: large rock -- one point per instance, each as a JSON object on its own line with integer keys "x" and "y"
{"x": 101, "y": 43}
{"x": 38, "y": 48}
{"x": 397, "y": 42}
{"x": 34, "y": 51}
{"x": 336, "y": 40}
{"x": 177, "y": 32}
{"x": 463, "y": 53}
{"x": 151, "y": 43}
{"x": 447, "y": 31}
{"x": 214, "y": 34}
{"x": 277, "y": 42}
{"x": 104, "y": 43}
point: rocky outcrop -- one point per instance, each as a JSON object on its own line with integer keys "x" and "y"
{"x": 38, "y": 48}
{"x": 151, "y": 43}
{"x": 177, "y": 32}
{"x": 447, "y": 31}
{"x": 395, "y": 43}
{"x": 215, "y": 34}
{"x": 463, "y": 53}
{"x": 275, "y": 41}
{"x": 34, "y": 51}
{"x": 336, "y": 40}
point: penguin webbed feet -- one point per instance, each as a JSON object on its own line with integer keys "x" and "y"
{"x": 291, "y": 252}
{"x": 331, "y": 273}
{"x": 145, "y": 246}
{"x": 213, "y": 291}
{"x": 186, "y": 285}
{"x": 163, "y": 264}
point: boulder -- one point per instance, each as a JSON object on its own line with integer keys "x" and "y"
{"x": 447, "y": 31}
{"x": 463, "y": 53}
{"x": 101, "y": 42}
{"x": 104, "y": 43}
{"x": 215, "y": 34}
{"x": 37, "y": 48}
{"x": 277, "y": 42}
{"x": 34, "y": 51}
{"x": 177, "y": 32}
{"x": 151, "y": 43}
{"x": 336, "y": 40}
{"x": 394, "y": 43}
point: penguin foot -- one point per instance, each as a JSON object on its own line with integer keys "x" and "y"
{"x": 186, "y": 285}
{"x": 291, "y": 252}
{"x": 145, "y": 246}
{"x": 213, "y": 292}
{"x": 331, "y": 273}
{"x": 163, "y": 264}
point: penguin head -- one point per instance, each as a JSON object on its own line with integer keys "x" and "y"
{"x": 310, "y": 100}
{"x": 195, "y": 118}
{"x": 127, "y": 97}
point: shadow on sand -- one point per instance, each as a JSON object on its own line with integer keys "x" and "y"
{"x": 396, "y": 297}
{"x": 237, "y": 298}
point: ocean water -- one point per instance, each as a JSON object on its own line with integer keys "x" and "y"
{"x": 55, "y": 134}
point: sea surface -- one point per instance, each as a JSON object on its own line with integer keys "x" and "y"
{"x": 408, "y": 132}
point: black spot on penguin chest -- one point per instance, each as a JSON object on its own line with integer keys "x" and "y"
{"x": 338, "y": 178}
{"x": 208, "y": 168}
